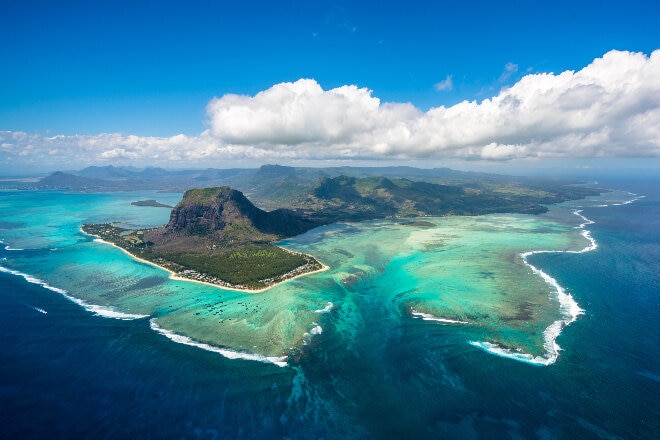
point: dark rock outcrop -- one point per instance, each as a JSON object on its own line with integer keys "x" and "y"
{"x": 211, "y": 210}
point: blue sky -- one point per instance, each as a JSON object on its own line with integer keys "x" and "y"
{"x": 150, "y": 68}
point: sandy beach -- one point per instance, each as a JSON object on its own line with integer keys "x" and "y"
{"x": 176, "y": 276}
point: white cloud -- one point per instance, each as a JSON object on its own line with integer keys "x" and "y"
{"x": 610, "y": 108}
{"x": 21, "y": 150}
{"x": 509, "y": 70}
{"x": 296, "y": 113}
{"x": 445, "y": 84}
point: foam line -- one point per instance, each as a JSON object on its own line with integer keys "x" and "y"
{"x": 569, "y": 308}
{"x": 280, "y": 361}
{"x": 325, "y": 309}
{"x": 104, "y": 311}
{"x": 510, "y": 354}
{"x": 628, "y": 202}
{"x": 429, "y": 317}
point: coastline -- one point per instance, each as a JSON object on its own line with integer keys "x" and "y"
{"x": 569, "y": 308}
{"x": 550, "y": 333}
{"x": 175, "y": 276}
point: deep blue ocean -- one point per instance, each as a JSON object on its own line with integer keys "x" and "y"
{"x": 68, "y": 373}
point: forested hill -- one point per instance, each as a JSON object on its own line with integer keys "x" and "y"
{"x": 225, "y": 215}
{"x": 271, "y": 187}
{"x": 378, "y": 197}
{"x": 217, "y": 235}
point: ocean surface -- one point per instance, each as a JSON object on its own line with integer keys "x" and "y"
{"x": 499, "y": 326}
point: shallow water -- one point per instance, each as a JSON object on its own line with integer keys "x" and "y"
{"x": 465, "y": 270}
{"x": 362, "y": 360}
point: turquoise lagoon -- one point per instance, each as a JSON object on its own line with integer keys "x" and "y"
{"x": 472, "y": 273}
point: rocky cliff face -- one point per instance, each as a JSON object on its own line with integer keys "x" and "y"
{"x": 212, "y": 210}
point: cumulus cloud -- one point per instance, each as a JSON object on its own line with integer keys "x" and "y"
{"x": 445, "y": 84}
{"x": 302, "y": 112}
{"x": 610, "y": 108}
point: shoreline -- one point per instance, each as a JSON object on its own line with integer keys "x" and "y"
{"x": 175, "y": 276}
{"x": 569, "y": 308}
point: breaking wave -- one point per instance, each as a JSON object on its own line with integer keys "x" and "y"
{"x": 325, "y": 309}
{"x": 104, "y": 311}
{"x": 280, "y": 361}
{"x": 429, "y": 317}
{"x": 568, "y": 306}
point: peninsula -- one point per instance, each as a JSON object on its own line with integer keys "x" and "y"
{"x": 216, "y": 235}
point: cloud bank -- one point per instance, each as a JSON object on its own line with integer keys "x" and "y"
{"x": 610, "y": 108}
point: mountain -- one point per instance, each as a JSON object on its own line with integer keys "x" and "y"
{"x": 214, "y": 211}
{"x": 351, "y": 198}
{"x": 218, "y": 236}
{"x": 225, "y": 216}
{"x": 324, "y": 195}
{"x": 109, "y": 172}
{"x": 61, "y": 180}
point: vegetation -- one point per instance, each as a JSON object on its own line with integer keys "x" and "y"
{"x": 352, "y": 198}
{"x": 217, "y": 235}
{"x": 151, "y": 202}
{"x": 274, "y": 186}
{"x": 204, "y": 195}
{"x": 253, "y": 266}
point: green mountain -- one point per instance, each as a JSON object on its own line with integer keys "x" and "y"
{"x": 351, "y": 198}
{"x": 274, "y": 186}
{"x": 222, "y": 214}
{"x": 217, "y": 235}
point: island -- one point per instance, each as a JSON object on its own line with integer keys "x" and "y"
{"x": 216, "y": 235}
{"x": 152, "y": 203}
